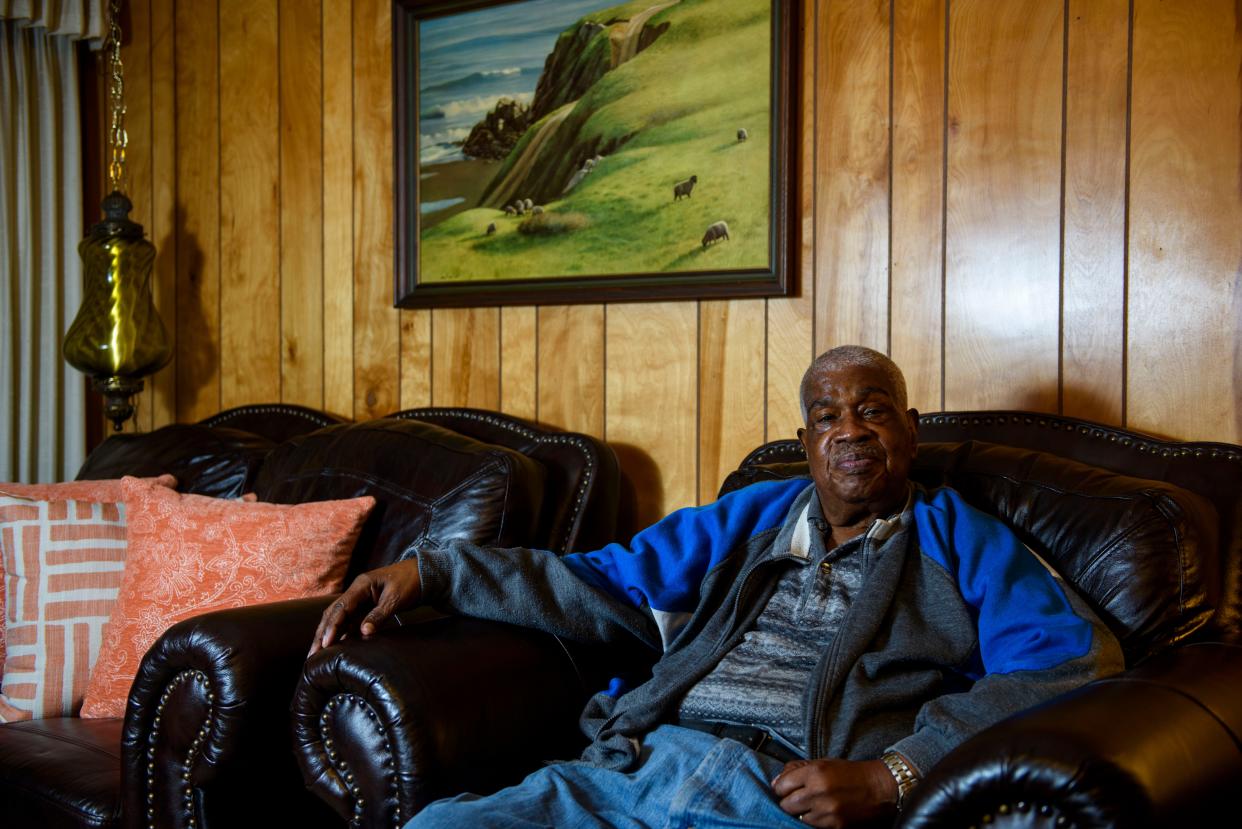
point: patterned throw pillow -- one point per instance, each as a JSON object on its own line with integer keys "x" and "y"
{"x": 189, "y": 554}
{"x": 60, "y": 566}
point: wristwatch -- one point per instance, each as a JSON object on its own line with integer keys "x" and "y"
{"x": 902, "y": 773}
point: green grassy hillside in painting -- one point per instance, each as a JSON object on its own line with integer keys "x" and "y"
{"x": 671, "y": 112}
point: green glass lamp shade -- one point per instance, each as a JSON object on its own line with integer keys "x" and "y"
{"x": 117, "y": 337}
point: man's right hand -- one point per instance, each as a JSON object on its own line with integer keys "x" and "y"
{"x": 378, "y": 594}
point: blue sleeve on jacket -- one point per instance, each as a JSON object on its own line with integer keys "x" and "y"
{"x": 665, "y": 563}
{"x": 1025, "y": 621}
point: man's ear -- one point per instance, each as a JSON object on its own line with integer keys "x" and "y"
{"x": 913, "y": 416}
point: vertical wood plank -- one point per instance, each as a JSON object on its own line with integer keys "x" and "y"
{"x": 337, "y": 41}
{"x": 790, "y": 320}
{"x": 571, "y": 367}
{"x": 136, "y": 59}
{"x": 1093, "y": 324}
{"x": 731, "y": 384}
{"x": 466, "y": 357}
{"x": 650, "y": 415}
{"x": 376, "y": 322}
{"x": 249, "y": 203}
{"x": 918, "y": 199}
{"x": 519, "y": 349}
{"x": 416, "y": 377}
{"x": 1185, "y": 221}
{"x": 851, "y": 236}
{"x": 163, "y": 229}
{"x": 198, "y": 211}
{"x": 301, "y": 203}
{"x": 1004, "y": 155}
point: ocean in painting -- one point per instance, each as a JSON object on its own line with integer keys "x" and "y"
{"x": 467, "y": 62}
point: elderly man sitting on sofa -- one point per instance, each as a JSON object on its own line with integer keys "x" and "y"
{"x": 822, "y": 645}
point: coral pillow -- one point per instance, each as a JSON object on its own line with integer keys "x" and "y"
{"x": 189, "y": 554}
{"x": 56, "y": 651}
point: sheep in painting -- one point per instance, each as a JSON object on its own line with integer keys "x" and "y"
{"x": 491, "y": 228}
{"x": 742, "y": 135}
{"x": 683, "y": 188}
{"x": 715, "y": 231}
{"x": 509, "y": 211}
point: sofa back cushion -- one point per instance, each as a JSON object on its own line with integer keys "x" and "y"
{"x": 219, "y": 461}
{"x": 582, "y": 483}
{"x": 428, "y": 482}
{"x": 1141, "y": 552}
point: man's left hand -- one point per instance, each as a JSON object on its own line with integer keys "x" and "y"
{"x": 836, "y": 793}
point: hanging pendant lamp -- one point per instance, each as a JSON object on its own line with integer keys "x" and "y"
{"x": 117, "y": 337}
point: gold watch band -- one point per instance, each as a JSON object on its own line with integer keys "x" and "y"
{"x": 902, "y": 773}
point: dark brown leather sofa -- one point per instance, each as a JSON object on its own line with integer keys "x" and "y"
{"x": 1150, "y": 531}
{"x": 206, "y": 741}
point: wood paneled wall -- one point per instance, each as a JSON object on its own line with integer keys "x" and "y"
{"x": 1029, "y": 203}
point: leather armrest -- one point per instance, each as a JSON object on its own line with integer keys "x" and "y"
{"x": 207, "y": 725}
{"x": 1155, "y": 746}
{"x": 436, "y": 707}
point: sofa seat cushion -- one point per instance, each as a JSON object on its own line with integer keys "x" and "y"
{"x": 37, "y": 788}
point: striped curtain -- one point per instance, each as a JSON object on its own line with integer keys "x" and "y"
{"x": 42, "y": 399}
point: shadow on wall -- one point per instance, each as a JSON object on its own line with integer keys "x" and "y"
{"x": 642, "y": 490}
{"x": 198, "y": 358}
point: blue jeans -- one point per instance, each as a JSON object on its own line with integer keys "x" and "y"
{"x": 684, "y": 780}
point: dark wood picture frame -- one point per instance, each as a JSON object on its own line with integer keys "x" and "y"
{"x": 774, "y": 279}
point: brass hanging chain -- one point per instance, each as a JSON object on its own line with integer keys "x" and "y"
{"x": 117, "y": 137}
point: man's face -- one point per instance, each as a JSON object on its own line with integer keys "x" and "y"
{"x": 858, "y": 443}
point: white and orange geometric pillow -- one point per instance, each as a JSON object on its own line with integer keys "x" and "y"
{"x": 190, "y": 554}
{"x": 100, "y": 492}
{"x": 63, "y": 562}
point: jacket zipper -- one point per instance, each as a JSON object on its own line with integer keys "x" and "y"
{"x": 744, "y": 583}
{"x": 816, "y": 744}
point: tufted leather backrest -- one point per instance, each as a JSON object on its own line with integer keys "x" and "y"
{"x": 221, "y": 456}
{"x": 429, "y": 483}
{"x": 1212, "y": 471}
{"x": 1145, "y": 553}
{"x": 580, "y": 506}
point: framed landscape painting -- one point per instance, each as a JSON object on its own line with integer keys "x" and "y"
{"x": 556, "y": 151}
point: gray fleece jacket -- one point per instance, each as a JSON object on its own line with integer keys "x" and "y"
{"x": 957, "y": 626}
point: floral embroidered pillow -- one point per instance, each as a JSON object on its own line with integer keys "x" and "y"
{"x": 190, "y": 554}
